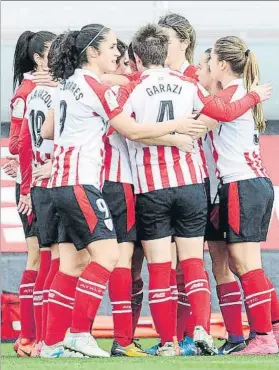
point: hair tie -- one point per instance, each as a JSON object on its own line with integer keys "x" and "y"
{"x": 101, "y": 30}
{"x": 247, "y": 52}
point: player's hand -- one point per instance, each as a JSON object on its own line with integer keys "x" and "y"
{"x": 44, "y": 78}
{"x": 264, "y": 91}
{"x": 11, "y": 167}
{"x": 43, "y": 172}
{"x": 184, "y": 142}
{"x": 190, "y": 126}
{"x": 25, "y": 205}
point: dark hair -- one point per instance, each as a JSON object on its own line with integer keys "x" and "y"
{"x": 72, "y": 51}
{"x": 131, "y": 53}
{"x": 122, "y": 47}
{"x": 183, "y": 29}
{"x": 28, "y": 44}
{"x": 244, "y": 63}
{"x": 208, "y": 54}
{"x": 150, "y": 44}
{"x": 54, "y": 47}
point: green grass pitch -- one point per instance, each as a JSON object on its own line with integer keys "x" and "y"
{"x": 11, "y": 362}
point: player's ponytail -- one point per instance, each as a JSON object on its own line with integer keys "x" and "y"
{"x": 72, "y": 53}
{"x": 251, "y": 71}
{"x": 28, "y": 44}
{"x": 243, "y": 62}
{"x": 65, "y": 59}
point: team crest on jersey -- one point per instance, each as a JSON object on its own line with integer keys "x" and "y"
{"x": 109, "y": 224}
{"x": 111, "y": 99}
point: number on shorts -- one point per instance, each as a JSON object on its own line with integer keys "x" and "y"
{"x": 63, "y": 112}
{"x": 165, "y": 111}
{"x": 37, "y": 119}
{"x": 102, "y": 207}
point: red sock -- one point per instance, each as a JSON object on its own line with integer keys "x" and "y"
{"x": 197, "y": 290}
{"x": 137, "y": 298}
{"x": 160, "y": 299}
{"x": 45, "y": 259}
{"x": 120, "y": 293}
{"x": 90, "y": 289}
{"x": 274, "y": 302}
{"x": 258, "y": 300}
{"x": 184, "y": 313}
{"x": 54, "y": 267}
{"x": 230, "y": 304}
{"x": 61, "y": 299}
{"x": 209, "y": 316}
{"x": 174, "y": 300}
{"x": 28, "y": 327}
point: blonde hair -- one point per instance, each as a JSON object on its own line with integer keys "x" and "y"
{"x": 244, "y": 63}
{"x": 184, "y": 31}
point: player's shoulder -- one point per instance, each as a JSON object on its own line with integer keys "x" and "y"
{"x": 191, "y": 72}
{"x": 24, "y": 89}
{"x": 179, "y": 76}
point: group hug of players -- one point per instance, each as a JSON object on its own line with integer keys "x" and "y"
{"x": 123, "y": 153}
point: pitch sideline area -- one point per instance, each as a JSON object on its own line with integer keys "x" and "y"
{"x": 10, "y": 361}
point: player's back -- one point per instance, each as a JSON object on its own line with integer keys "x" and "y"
{"x": 237, "y": 142}
{"x": 162, "y": 95}
{"x": 83, "y": 124}
{"x": 158, "y": 96}
{"x": 39, "y": 102}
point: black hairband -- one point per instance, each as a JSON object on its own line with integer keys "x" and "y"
{"x": 247, "y": 52}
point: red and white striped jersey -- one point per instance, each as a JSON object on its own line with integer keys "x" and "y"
{"x": 190, "y": 71}
{"x": 236, "y": 149}
{"x": 39, "y": 101}
{"x": 159, "y": 95}
{"x": 117, "y": 161}
{"x": 86, "y": 106}
{"x": 211, "y": 167}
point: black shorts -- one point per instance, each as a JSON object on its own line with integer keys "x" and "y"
{"x": 84, "y": 214}
{"x": 46, "y": 215}
{"x": 180, "y": 211}
{"x": 28, "y": 223}
{"x": 212, "y": 230}
{"x": 245, "y": 209}
{"x": 120, "y": 200}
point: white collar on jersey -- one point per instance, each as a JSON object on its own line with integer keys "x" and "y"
{"x": 150, "y": 71}
{"x": 87, "y": 72}
{"x": 184, "y": 66}
{"x": 28, "y": 76}
{"x": 236, "y": 81}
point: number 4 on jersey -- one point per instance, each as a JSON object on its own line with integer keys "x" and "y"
{"x": 165, "y": 111}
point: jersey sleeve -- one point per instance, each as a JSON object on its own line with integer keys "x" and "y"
{"x": 108, "y": 107}
{"x": 25, "y": 157}
{"x": 17, "y": 115}
{"x": 219, "y": 107}
{"x": 134, "y": 76}
{"x": 124, "y": 98}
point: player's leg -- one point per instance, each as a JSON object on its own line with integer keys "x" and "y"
{"x": 190, "y": 222}
{"x": 90, "y": 226}
{"x": 26, "y": 340}
{"x": 155, "y": 230}
{"x": 120, "y": 200}
{"x": 229, "y": 294}
{"x": 137, "y": 283}
{"x": 243, "y": 236}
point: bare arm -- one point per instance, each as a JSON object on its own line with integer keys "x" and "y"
{"x": 182, "y": 142}
{"x": 129, "y": 128}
